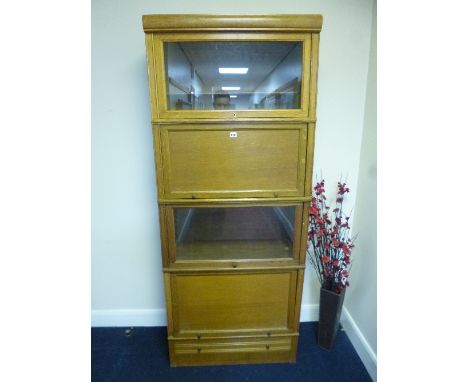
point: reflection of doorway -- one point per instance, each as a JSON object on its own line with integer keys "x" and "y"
{"x": 285, "y": 97}
{"x": 193, "y": 73}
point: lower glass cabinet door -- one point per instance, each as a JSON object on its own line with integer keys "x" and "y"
{"x": 234, "y": 233}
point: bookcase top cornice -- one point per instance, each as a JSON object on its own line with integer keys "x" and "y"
{"x": 197, "y": 22}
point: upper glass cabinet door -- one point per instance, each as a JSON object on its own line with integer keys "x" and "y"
{"x": 233, "y": 75}
{"x": 215, "y": 76}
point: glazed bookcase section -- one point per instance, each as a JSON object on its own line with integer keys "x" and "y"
{"x": 233, "y": 236}
{"x": 186, "y": 81}
{"x": 234, "y": 233}
{"x": 231, "y": 160}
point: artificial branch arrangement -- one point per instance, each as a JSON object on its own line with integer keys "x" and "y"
{"x": 329, "y": 245}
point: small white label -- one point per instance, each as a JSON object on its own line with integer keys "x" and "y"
{"x": 233, "y": 134}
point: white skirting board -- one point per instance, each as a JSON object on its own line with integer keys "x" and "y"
{"x": 362, "y": 347}
{"x": 309, "y": 312}
{"x": 157, "y": 317}
{"x": 128, "y": 317}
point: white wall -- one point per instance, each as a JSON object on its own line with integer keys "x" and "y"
{"x": 360, "y": 313}
{"x": 127, "y": 285}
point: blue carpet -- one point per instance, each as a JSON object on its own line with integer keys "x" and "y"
{"x": 143, "y": 356}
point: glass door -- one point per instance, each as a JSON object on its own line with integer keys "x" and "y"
{"x": 233, "y": 75}
{"x": 235, "y": 233}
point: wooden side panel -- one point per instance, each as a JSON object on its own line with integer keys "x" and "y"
{"x": 313, "y": 75}
{"x": 304, "y": 233}
{"x": 158, "y": 160}
{"x": 168, "y": 296}
{"x": 218, "y": 303}
{"x": 234, "y": 161}
{"x": 309, "y": 160}
{"x": 165, "y": 250}
{"x": 298, "y": 298}
{"x": 151, "y": 75}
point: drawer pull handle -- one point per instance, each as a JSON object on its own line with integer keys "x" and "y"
{"x": 268, "y": 334}
{"x": 198, "y": 337}
{"x": 234, "y": 265}
{"x": 275, "y": 194}
{"x": 268, "y": 347}
{"x": 199, "y": 350}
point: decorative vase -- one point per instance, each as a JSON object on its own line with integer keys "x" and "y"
{"x": 329, "y": 317}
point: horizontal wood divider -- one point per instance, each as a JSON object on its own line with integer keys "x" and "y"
{"x": 233, "y": 336}
{"x": 251, "y": 201}
{"x": 220, "y": 269}
{"x": 225, "y": 121}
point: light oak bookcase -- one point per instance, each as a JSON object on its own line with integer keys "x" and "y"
{"x": 234, "y": 183}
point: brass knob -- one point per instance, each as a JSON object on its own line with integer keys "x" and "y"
{"x": 234, "y": 265}
{"x": 268, "y": 347}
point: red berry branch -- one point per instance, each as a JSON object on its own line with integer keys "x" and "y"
{"x": 329, "y": 245}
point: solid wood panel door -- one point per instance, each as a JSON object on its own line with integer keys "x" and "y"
{"x": 226, "y": 161}
{"x": 232, "y": 302}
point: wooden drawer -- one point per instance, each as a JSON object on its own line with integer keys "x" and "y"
{"x": 226, "y": 161}
{"x": 241, "y": 350}
{"x": 230, "y": 303}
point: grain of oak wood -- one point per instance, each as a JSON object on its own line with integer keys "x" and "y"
{"x": 203, "y": 161}
{"x": 240, "y": 304}
{"x": 226, "y": 302}
{"x": 200, "y": 22}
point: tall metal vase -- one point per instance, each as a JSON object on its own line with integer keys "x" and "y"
{"x": 331, "y": 304}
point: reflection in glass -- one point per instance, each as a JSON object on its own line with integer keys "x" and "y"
{"x": 234, "y": 233}
{"x": 233, "y": 75}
